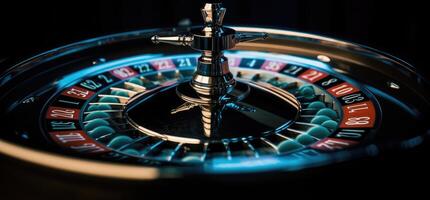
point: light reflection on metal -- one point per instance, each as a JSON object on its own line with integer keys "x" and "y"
{"x": 324, "y": 58}
{"x": 212, "y": 87}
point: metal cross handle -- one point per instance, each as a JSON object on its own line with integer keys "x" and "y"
{"x": 212, "y": 76}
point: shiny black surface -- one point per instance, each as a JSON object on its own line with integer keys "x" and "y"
{"x": 153, "y": 111}
{"x": 393, "y": 109}
{"x": 390, "y": 26}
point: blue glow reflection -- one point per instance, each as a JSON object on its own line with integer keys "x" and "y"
{"x": 283, "y": 57}
{"x": 290, "y": 162}
{"x": 66, "y": 80}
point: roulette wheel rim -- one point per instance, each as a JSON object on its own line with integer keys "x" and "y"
{"x": 120, "y": 171}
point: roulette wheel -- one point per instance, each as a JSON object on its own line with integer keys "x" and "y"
{"x": 210, "y": 102}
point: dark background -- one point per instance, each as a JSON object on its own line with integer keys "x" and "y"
{"x": 396, "y": 27}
